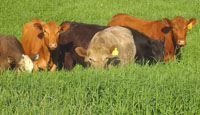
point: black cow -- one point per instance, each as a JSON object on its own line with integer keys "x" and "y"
{"x": 80, "y": 34}
{"x": 147, "y": 50}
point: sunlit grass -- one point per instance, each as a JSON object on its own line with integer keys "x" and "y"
{"x": 170, "y": 88}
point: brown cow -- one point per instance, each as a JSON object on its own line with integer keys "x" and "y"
{"x": 78, "y": 35}
{"x": 12, "y": 55}
{"x": 41, "y": 37}
{"x": 174, "y": 31}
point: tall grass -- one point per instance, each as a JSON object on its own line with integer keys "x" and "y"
{"x": 170, "y": 88}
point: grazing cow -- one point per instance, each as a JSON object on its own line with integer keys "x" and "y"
{"x": 111, "y": 42}
{"x": 12, "y": 55}
{"x": 174, "y": 31}
{"x": 80, "y": 35}
{"x": 41, "y": 37}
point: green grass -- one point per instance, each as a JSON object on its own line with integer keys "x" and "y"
{"x": 170, "y": 88}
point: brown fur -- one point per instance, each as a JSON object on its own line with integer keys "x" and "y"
{"x": 9, "y": 47}
{"x": 174, "y": 31}
{"x": 41, "y": 37}
{"x": 78, "y": 35}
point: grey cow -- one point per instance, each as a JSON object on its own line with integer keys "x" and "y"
{"x": 109, "y": 43}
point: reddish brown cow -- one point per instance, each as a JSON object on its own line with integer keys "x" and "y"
{"x": 174, "y": 31}
{"x": 41, "y": 37}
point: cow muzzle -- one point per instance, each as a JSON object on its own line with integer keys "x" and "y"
{"x": 52, "y": 46}
{"x": 181, "y": 42}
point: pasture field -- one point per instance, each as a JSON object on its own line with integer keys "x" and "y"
{"x": 170, "y": 88}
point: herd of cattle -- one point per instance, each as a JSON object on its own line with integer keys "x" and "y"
{"x": 125, "y": 39}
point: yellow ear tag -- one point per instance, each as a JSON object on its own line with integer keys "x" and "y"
{"x": 190, "y": 26}
{"x": 115, "y": 52}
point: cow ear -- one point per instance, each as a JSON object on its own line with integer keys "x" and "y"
{"x": 165, "y": 30}
{"x": 40, "y": 35}
{"x": 38, "y": 26}
{"x": 64, "y": 27}
{"x": 11, "y": 60}
{"x": 35, "y": 57}
{"x": 191, "y": 23}
{"x": 166, "y": 21}
{"x": 81, "y": 51}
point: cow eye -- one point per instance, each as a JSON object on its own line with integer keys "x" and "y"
{"x": 90, "y": 59}
{"x": 107, "y": 58}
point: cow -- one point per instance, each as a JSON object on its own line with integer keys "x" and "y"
{"x": 12, "y": 55}
{"x": 174, "y": 31}
{"x": 107, "y": 44}
{"x": 41, "y": 37}
{"x": 147, "y": 50}
{"x": 80, "y": 35}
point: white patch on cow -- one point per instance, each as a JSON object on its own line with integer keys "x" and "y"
{"x": 25, "y": 64}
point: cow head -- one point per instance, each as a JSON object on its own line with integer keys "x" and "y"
{"x": 50, "y": 32}
{"x": 25, "y": 62}
{"x": 98, "y": 57}
{"x": 179, "y": 26}
{"x": 157, "y": 47}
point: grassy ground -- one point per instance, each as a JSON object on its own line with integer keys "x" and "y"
{"x": 170, "y": 88}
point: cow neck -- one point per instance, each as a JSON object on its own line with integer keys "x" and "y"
{"x": 51, "y": 56}
{"x": 46, "y": 52}
{"x": 176, "y": 48}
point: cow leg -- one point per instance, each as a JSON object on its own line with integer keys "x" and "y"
{"x": 68, "y": 61}
{"x": 52, "y": 65}
{"x": 42, "y": 64}
{"x": 53, "y": 68}
{"x": 169, "y": 52}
